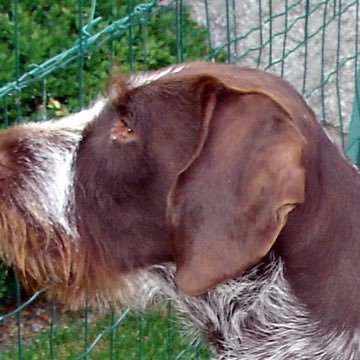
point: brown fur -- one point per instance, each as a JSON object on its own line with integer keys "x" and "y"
{"x": 223, "y": 164}
{"x": 42, "y": 252}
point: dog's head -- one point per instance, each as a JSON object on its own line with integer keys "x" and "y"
{"x": 196, "y": 164}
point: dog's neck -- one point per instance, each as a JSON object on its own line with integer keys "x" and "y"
{"x": 320, "y": 245}
{"x": 257, "y": 317}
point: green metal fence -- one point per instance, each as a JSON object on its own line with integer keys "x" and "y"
{"x": 55, "y": 57}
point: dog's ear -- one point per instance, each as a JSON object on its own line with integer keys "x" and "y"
{"x": 230, "y": 202}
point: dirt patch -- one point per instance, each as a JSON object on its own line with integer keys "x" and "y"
{"x": 34, "y": 318}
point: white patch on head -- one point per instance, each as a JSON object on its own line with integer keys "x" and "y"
{"x": 145, "y": 78}
{"x": 76, "y": 121}
{"x": 48, "y": 191}
{"x": 257, "y": 317}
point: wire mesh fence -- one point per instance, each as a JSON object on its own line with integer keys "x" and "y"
{"x": 56, "y": 56}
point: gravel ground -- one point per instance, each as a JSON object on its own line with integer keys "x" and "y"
{"x": 327, "y": 57}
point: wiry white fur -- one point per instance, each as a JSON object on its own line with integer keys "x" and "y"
{"x": 76, "y": 121}
{"x": 48, "y": 189}
{"x": 145, "y": 78}
{"x": 256, "y": 317}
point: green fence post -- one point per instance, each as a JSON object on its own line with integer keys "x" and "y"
{"x": 353, "y": 145}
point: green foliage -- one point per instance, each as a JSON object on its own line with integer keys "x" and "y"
{"x": 152, "y": 335}
{"x": 47, "y": 28}
{"x": 6, "y": 286}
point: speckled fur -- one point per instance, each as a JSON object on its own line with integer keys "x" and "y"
{"x": 256, "y": 317}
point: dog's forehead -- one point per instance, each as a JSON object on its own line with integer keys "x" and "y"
{"x": 121, "y": 86}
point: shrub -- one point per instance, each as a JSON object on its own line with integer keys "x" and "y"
{"x": 48, "y": 28}
{"x": 6, "y": 287}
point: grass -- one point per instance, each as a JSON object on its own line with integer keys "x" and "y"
{"x": 155, "y": 335}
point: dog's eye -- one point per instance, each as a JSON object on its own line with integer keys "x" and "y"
{"x": 122, "y": 132}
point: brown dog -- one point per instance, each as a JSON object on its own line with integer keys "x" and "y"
{"x": 219, "y": 169}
